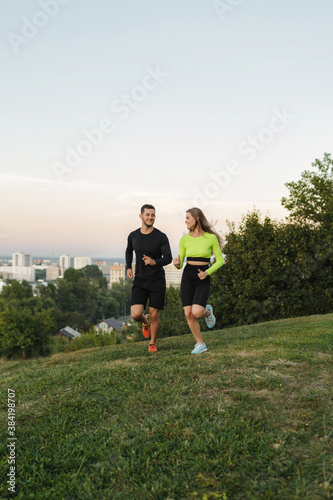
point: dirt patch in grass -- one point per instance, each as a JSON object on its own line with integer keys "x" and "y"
{"x": 324, "y": 355}
{"x": 218, "y": 397}
{"x": 256, "y": 352}
{"x": 118, "y": 362}
{"x": 265, "y": 393}
{"x": 26, "y": 405}
{"x": 62, "y": 357}
{"x": 275, "y": 373}
{"x": 208, "y": 377}
{"x": 123, "y": 362}
{"x": 284, "y": 362}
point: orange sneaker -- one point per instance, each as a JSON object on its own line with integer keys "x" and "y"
{"x": 152, "y": 348}
{"x": 146, "y": 328}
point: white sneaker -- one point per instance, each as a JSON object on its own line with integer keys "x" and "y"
{"x": 210, "y": 320}
{"x": 199, "y": 348}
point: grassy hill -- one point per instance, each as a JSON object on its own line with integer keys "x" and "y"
{"x": 249, "y": 419}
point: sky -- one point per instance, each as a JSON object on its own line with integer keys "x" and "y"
{"x": 109, "y": 105}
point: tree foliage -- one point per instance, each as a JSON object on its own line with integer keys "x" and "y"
{"x": 76, "y": 294}
{"x": 76, "y": 301}
{"x": 95, "y": 276}
{"x": 25, "y": 331}
{"x": 272, "y": 270}
{"x": 16, "y": 290}
{"x": 311, "y": 198}
{"x": 173, "y": 320}
{"x": 121, "y": 293}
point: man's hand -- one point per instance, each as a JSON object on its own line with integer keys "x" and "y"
{"x": 148, "y": 261}
{"x": 130, "y": 274}
{"x": 176, "y": 261}
{"x": 202, "y": 274}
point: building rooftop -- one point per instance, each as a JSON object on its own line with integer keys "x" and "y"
{"x": 114, "y": 323}
{"x": 70, "y": 333}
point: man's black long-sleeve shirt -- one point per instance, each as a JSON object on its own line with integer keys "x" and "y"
{"x": 155, "y": 245}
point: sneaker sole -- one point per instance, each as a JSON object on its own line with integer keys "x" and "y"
{"x": 200, "y": 352}
{"x": 211, "y": 314}
{"x": 211, "y": 326}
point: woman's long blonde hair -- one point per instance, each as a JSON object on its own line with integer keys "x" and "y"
{"x": 202, "y": 223}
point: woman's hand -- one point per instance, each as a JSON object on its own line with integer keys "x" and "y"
{"x": 176, "y": 261}
{"x": 202, "y": 274}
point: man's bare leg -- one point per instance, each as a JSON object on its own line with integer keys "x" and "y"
{"x": 137, "y": 314}
{"x": 155, "y": 324}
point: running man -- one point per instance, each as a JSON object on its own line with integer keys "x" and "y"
{"x": 152, "y": 250}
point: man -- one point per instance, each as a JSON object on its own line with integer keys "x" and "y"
{"x": 152, "y": 250}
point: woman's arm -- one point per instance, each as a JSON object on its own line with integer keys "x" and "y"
{"x": 218, "y": 256}
{"x": 181, "y": 253}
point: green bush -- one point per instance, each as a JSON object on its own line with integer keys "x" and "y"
{"x": 58, "y": 344}
{"x": 272, "y": 270}
{"x": 173, "y": 321}
{"x": 91, "y": 339}
{"x": 25, "y": 331}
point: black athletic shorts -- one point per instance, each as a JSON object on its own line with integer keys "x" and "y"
{"x": 152, "y": 288}
{"x": 193, "y": 290}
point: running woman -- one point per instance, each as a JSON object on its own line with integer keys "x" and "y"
{"x": 198, "y": 246}
{"x": 152, "y": 250}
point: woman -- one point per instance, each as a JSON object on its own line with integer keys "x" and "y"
{"x": 198, "y": 246}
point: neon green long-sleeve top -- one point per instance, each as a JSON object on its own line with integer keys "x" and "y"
{"x": 202, "y": 246}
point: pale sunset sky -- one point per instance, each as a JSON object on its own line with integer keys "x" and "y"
{"x": 109, "y": 105}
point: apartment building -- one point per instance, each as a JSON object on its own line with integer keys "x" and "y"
{"x": 80, "y": 262}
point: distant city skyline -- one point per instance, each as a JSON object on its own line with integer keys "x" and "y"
{"x": 110, "y": 105}
{"x": 56, "y": 257}
{"x": 21, "y": 266}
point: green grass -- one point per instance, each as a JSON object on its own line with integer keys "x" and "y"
{"x": 249, "y": 419}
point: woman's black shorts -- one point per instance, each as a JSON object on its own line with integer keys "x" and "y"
{"x": 193, "y": 290}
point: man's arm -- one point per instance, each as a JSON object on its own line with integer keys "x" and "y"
{"x": 129, "y": 257}
{"x": 166, "y": 252}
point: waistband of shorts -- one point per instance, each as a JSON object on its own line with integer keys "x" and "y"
{"x": 195, "y": 267}
{"x": 193, "y": 259}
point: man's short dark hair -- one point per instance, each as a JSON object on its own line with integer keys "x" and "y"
{"x": 143, "y": 208}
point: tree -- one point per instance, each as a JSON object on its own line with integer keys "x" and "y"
{"x": 106, "y": 306}
{"x": 82, "y": 302}
{"x": 272, "y": 270}
{"x": 25, "y": 331}
{"x": 95, "y": 276}
{"x": 173, "y": 321}
{"x": 121, "y": 292}
{"x": 311, "y": 198}
{"x": 40, "y": 274}
{"x": 46, "y": 291}
{"x": 16, "y": 290}
{"x": 74, "y": 292}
